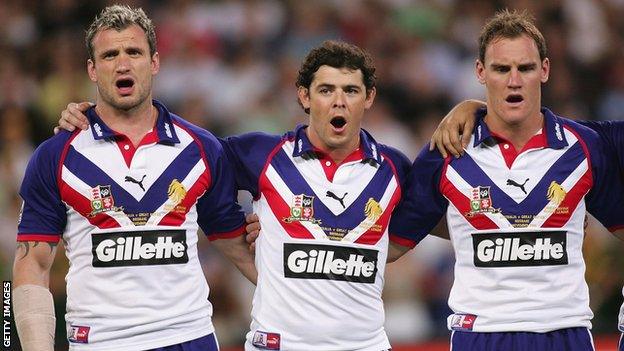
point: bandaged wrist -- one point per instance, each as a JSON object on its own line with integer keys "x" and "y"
{"x": 33, "y": 307}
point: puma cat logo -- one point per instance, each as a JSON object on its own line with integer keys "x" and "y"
{"x": 521, "y": 186}
{"x": 139, "y": 183}
{"x": 335, "y": 197}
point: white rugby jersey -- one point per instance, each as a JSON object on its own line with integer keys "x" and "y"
{"x": 129, "y": 221}
{"x": 322, "y": 250}
{"x": 516, "y": 224}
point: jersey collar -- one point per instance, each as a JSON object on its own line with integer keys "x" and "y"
{"x": 304, "y": 148}
{"x": 164, "y": 126}
{"x": 553, "y": 128}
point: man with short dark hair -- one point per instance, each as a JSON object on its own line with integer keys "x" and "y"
{"x": 127, "y": 197}
{"x": 323, "y": 194}
{"x": 515, "y": 205}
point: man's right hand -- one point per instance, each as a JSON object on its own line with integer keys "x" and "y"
{"x": 253, "y": 230}
{"x": 73, "y": 117}
{"x": 459, "y": 121}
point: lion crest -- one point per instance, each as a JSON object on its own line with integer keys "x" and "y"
{"x": 556, "y": 193}
{"x": 373, "y": 209}
{"x": 176, "y": 191}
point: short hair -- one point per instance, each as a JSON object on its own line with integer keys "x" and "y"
{"x": 120, "y": 17}
{"x": 510, "y": 24}
{"x": 337, "y": 54}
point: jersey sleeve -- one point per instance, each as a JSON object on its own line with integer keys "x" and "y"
{"x": 611, "y": 134}
{"x": 44, "y": 215}
{"x": 249, "y": 154}
{"x": 219, "y": 215}
{"x": 605, "y": 201}
{"x": 422, "y": 205}
{"x": 400, "y": 163}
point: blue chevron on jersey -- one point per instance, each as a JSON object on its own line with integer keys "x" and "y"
{"x": 324, "y": 238}
{"x": 129, "y": 219}
{"x": 516, "y": 222}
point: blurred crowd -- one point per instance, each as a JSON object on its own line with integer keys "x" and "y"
{"x": 230, "y": 66}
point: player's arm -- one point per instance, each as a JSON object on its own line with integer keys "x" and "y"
{"x": 458, "y": 122}
{"x": 32, "y": 301}
{"x": 422, "y": 207}
{"x": 237, "y": 251}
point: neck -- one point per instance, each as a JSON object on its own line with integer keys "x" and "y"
{"x": 337, "y": 154}
{"x": 518, "y": 134}
{"x": 134, "y": 123}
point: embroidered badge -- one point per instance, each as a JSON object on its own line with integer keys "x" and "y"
{"x": 302, "y": 210}
{"x": 102, "y": 200}
{"x": 481, "y": 201}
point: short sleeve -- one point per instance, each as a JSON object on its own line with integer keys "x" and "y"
{"x": 219, "y": 215}
{"x": 422, "y": 205}
{"x": 44, "y": 215}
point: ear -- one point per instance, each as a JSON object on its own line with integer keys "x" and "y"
{"x": 91, "y": 70}
{"x": 480, "y": 71}
{"x": 304, "y": 97}
{"x": 155, "y": 63}
{"x": 370, "y": 97}
{"x": 545, "y": 73}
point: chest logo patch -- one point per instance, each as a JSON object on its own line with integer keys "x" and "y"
{"x": 102, "y": 200}
{"x": 302, "y": 210}
{"x": 372, "y": 210}
{"x": 481, "y": 201}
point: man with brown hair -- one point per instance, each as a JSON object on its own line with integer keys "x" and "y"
{"x": 515, "y": 204}
{"x": 127, "y": 197}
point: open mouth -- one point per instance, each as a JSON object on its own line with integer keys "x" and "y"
{"x": 338, "y": 122}
{"x": 125, "y": 85}
{"x": 514, "y": 98}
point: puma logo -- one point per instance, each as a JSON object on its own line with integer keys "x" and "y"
{"x": 139, "y": 183}
{"x": 521, "y": 186}
{"x": 335, "y": 197}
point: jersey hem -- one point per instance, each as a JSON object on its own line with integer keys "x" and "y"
{"x": 177, "y": 339}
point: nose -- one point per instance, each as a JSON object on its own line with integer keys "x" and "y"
{"x": 123, "y": 63}
{"x": 340, "y": 99}
{"x": 515, "y": 79}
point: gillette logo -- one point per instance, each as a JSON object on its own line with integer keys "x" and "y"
{"x": 139, "y": 248}
{"x": 306, "y": 261}
{"x": 520, "y": 249}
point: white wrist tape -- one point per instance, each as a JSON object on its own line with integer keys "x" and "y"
{"x": 33, "y": 307}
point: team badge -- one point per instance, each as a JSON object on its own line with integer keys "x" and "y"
{"x": 481, "y": 201}
{"x": 302, "y": 210}
{"x": 102, "y": 200}
{"x": 176, "y": 193}
{"x": 556, "y": 193}
{"x": 372, "y": 210}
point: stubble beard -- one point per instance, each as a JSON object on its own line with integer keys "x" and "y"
{"x": 123, "y": 104}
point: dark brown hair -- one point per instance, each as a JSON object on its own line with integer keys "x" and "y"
{"x": 337, "y": 54}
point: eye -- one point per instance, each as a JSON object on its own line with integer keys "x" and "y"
{"x": 324, "y": 91}
{"x": 501, "y": 69}
{"x": 134, "y": 52}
